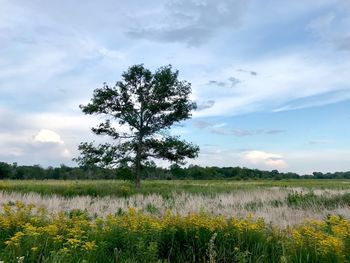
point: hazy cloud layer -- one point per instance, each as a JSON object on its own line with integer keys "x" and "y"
{"x": 239, "y": 56}
{"x": 205, "y": 105}
{"x": 229, "y": 83}
{"x": 192, "y": 22}
{"x": 222, "y": 129}
{"x": 286, "y": 82}
{"x": 313, "y": 142}
{"x": 241, "y": 132}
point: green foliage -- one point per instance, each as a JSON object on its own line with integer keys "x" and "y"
{"x": 146, "y": 104}
{"x": 5, "y": 170}
{"x": 14, "y": 171}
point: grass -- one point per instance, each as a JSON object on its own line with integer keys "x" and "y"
{"x": 319, "y": 202}
{"x": 122, "y": 189}
{"x": 282, "y": 206}
{"x": 175, "y": 221}
{"x": 33, "y": 235}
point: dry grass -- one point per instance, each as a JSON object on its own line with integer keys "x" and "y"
{"x": 268, "y": 203}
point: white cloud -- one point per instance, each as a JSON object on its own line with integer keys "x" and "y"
{"x": 264, "y": 160}
{"x": 23, "y": 139}
{"x": 48, "y": 136}
{"x": 299, "y": 161}
{"x": 45, "y": 148}
{"x": 216, "y": 156}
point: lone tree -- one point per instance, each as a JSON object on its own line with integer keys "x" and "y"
{"x": 144, "y": 105}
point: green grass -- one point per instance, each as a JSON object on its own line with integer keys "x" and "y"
{"x": 121, "y": 188}
{"x": 180, "y": 239}
{"x": 133, "y": 237}
{"x": 310, "y": 200}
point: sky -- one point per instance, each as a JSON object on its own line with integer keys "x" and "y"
{"x": 271, "y": 78}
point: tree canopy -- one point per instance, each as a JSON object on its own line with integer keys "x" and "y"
{"x": 144, "y": 105}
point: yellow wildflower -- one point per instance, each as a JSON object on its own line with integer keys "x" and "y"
{"x": 15, "y": 240}
{"x": 73, "y": 242}
{"x": 89, "y": 245}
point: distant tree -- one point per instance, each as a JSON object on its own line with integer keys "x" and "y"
{"x": 318, "y": 175}
{"x": 5, "y": 170}
{"x": 176, "y": 171}
{"x": 146, "y": 104}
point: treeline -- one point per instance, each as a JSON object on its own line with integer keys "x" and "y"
{"x": 175, "y": 172}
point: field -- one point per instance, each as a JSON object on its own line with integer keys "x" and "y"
{"x": 175, "y": 221}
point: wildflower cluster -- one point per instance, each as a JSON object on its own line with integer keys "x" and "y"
{"x": 33, "y": 233}
{"x": 327, "y": 241}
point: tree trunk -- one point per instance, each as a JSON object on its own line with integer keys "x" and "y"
{"x": 138, "y": 167}
{"x": 138, "y": 182}
{"x": 138, "y": 175}
{"x": 139, "y": 152}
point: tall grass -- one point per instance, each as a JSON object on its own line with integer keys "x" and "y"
{"x": 121, "y": 188}
{"x": 36, "y": 236}
{"x": 281, "y": 206}
{"x": 311, "y": 200}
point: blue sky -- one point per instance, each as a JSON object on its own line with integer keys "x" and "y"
{"x": 271, "y": 78}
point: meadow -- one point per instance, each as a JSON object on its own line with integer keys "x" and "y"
{"x": 175, "y": 221}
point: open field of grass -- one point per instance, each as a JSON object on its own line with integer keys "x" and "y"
{"x": 175, "y": 221}
{"x": 122, "y": 188}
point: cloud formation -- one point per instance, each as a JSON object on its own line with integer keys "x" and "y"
{"x": 313, "y": 142}
{"x": 242, "y": 132}
{"x": 253, "y": 73}
{"x": 222, "y": 129}
{"x": 248, "y": 73}
{"x": 48, "y": 136}
{"x": 230, "y": 83}
{"x": 205, "y": 105}
{"x": 24, "y": 139}
{"x": 285, "y": 82}
{"x": 192, "y": 22}
{"x": 265, "y": 160}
